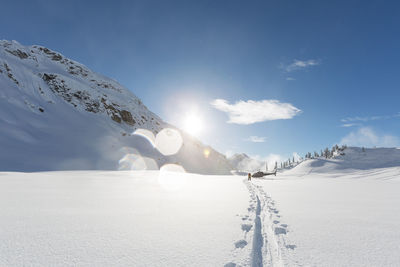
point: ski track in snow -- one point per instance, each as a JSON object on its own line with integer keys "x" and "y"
{"x": 264, "y": 232}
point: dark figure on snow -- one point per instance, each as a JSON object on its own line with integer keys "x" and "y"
{"x": 249, "y": 177}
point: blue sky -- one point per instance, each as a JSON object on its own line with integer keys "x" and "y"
{"x": 328, "y": 64}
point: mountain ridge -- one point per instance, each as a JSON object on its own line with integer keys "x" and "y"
{"x": 57, "y": 114}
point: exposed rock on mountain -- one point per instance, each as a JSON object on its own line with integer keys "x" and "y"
{"x": 57, "y": 114}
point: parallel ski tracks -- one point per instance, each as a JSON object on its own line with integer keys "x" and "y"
{"x": 264, "y": 235}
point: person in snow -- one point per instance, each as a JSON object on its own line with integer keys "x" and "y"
{"x": 249, "y": 177}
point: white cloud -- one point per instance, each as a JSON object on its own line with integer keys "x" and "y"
{"x": 352, "y": 119}
{"x": 248, "y": 112}
{"x": 370, "y": 118}
{"x": 290, "y": 79}
{"x": 350, "y": 124}
{"x": 367, "y": 137}
{"x": 301, "y": 64}
{"x": 256, "y": 139}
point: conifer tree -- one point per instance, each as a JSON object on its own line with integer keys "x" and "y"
{"x": 326, "y": 153}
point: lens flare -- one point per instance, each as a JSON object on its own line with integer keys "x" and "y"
{"x": 170, "y": 177}
{"x": 206, "y": 153}
{"x": 172, "y": 168}
{"x": 168, "y": 141}
{"x": 132, "y": 162}
{"x": 135, "y": 162}
{"x": 148, "y": 135}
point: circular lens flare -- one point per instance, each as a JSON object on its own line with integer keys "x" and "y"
{"x": 147, "y": 135}
{"x": 168, "y": 141}
{"x": 133, "y": 161}
{"x": 171, "y": 177}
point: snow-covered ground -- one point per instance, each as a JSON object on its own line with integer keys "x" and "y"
{"x": 95, "y": 218}
{"x": 340, "y": 219}
{"x": 312, "y": 215}
{"x": 153, "y": 218}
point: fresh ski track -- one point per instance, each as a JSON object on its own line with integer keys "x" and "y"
{"x": 263, "y": 232}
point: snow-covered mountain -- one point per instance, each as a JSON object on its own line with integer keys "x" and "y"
{"x": 237, "y": 158}
{"x": 243, "y": 163}
{"x": 56, "y": 114}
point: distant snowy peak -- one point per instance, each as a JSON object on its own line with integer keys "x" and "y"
{"x": 49, "y": 73}
{"x": 236, "y": 158}
{"x": 243, "y": 163}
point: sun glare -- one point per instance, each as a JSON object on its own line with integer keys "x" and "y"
{"x": 193, "y": 124}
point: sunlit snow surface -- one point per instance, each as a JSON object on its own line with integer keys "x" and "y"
{"x": 352, "y": 220}
{"x": 172, "y": 218}
{"x": 141, "y": 218}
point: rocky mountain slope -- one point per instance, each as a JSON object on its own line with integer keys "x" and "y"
{"x": 56, "y": 114}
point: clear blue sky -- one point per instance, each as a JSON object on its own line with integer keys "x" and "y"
{"x": 176, "y": 55}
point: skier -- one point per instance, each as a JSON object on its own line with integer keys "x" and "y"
{"x": 249, "y": 177}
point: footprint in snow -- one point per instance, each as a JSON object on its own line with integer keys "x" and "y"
{"x": 275, "y": 222}
{"x": 246, "y": 227}
{"x": 280, "y": 231}
{"x": 241, "y": 243}
{"x": 291, "y": 246}
{"x": 284, "y": 225}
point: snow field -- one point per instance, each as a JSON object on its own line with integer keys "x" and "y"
{"x": 311, "y": 215}
{"x": 340, "y": 219}
{"x": 98, "y": 218}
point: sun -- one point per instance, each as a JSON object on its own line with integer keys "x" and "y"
{"x": 193, "y": 124}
